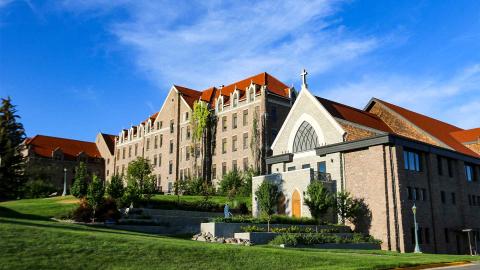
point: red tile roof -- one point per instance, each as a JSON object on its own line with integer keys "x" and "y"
{"x": 440, "y": 130}
{"x": 354, "y": 115}
{"x": 45, "y": 145}
{"x": 211, "y": 94}
{"x": 466, "y": 136}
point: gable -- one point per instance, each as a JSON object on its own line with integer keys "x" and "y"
{"x": 307, "y": 109}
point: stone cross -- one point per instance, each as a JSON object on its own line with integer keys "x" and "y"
{"x": 304, "y": 78}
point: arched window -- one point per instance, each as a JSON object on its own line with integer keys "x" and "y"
{"x": 235, "y": 99}
{"x": 251, "y": 94}
{"x": 220, "y": 104}
{"x": 305, "y": 139}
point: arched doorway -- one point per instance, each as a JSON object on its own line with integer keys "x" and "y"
{"x": 296, "y": 204}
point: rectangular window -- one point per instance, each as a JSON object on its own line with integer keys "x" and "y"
{"x": 188, "y": 133}
{"x": 224, "y": 123}
{"x": 439, "y": 165}
{"x": 454, "y": 200}
{"x": 155, "y": 142}
{"x": 159, "y": 160}
{"x": 123, "y": 152}
{"x": 118, "y": 154}
{"x": 291, "y": 168}
{"x": 187, "y": 153}
{"x": 148, "y": 144}
{"x": 469, "y": 173}
{"x": 161, "y": 124}
{"x": 224, "y": 168}
{"x": 161, "y": 140}
{"x": 273, "y": 114}
{"x": 245, "y": 117}
{"x": 171, "y": 147}
{"x": 224, "y": 146}
{"x": 129, "y": 151}
{"x": 245, "y": 164}
{"x": 234, "y": 165}
{"x": 412, "y": 160}
{"x": 158, "y": 125}
{"x": 186, "y": 116}
{"x": 442, "y": 196}
{"x": 214, "y": 171}
{"x": 136, "y": 149}
{"x": 450, "y": 167}
{"x": 234, "y": 143}
{"x": 154, "y": 161}
{"x": 171, "y": 126}
{"x": 170, "y": 167}
{"x": 234, "y": 121}
{"x": 410, "y": 193}
{"x": 322, "y": 167}
{"x": 416, "y": 193}
{"x": 245, "y": 140}
{"x": 305, "y": 166}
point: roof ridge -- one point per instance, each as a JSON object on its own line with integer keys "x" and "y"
{"x": 351, "y": 107}
{"x": 48, "y": 136}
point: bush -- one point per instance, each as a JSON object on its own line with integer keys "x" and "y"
{"x": 231, "y": 183}
{"x": 318, "y": 200}
{"x": 84, "y": 212}
{"x": 107, "y": 210}
{"x": 275, "y": 219}
{"x": 294, "y": 239}
{"x": 38, "y": 189}
{"x": 252, "y": 228}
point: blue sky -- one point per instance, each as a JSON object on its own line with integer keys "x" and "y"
{"x": 75, "y": 68}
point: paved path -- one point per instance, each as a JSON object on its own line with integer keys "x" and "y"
{"x": 472, "y": 266}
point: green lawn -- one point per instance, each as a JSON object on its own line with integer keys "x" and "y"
{"x": 29, "y": 241}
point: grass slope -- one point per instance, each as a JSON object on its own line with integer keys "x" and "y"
{"x": 29, "y": 241}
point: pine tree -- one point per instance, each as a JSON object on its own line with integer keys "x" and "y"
{"x": 80, "y": 185}
{"x": 12, "y": 136}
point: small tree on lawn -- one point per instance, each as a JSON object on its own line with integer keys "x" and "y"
{"x": 345, "y": 205}
{"x": 132, "y": 193}
{"x": 95, "y": 193}
{"x": 80, "y": 186}
{"x": 139, "y": 171}
{"x": 116, "y": 189}
{"x": 267, "y": 198}
{"x": 231, "y": 183}
{"x": 318, "y": 200}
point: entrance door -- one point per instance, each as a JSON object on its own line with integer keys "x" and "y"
{"x": 296, "y": 206}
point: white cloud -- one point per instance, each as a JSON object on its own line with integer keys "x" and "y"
{"x": 214, "y": 42}
{"x": 455, "y": 99}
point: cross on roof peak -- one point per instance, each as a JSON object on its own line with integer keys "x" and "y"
{"x": 304, "y": 78}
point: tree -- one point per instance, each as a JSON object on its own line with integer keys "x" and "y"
{"x": 80, "y": 187}
{"x": 132, "y": 192}
{"x": 231, "y": 183}
{"x": 318, "y": 200}
{"x": 149, "y": 188}
{"x": 12, "y": 136}
{"x": 116, "y": 189}
{"x": 256, "y": 146}
{"x": 95, "y": 193}
{"x": 267, "y": 198}
{"x": 201, "y": 123}
{"x": 139, "y": 171}
{"x": 344, "y": 205}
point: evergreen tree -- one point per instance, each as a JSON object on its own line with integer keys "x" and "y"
{"x": 80, "y": 186}
{"x": 12, "y": 136}
{"x": 116, "y": 188}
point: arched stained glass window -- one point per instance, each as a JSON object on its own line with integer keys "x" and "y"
{"x": 305, "y": 139}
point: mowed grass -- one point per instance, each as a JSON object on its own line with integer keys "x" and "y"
{"x": 221, "y": 200}
{"x": 28, "y": 243}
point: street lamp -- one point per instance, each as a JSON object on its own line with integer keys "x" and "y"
{"x": 64, "y": 182}
{"x": 417, "y": 247}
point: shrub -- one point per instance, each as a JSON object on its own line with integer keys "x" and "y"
{"x": 84, "y": 212}
{"x": 115, "y": 188}
{"x": 95, "y": 194}
{"x": 252, "y": 228}
{"x": 231, "y": 183}
{"x": 276, "y": 219}
{"x": 285, "y": 239}
{"x": 293, "y": 239}
{"x": 318, "y": 200}
{"x": 132, "y": 193}
{"x": 38, "y": 188}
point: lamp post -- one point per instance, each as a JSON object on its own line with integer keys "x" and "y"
{"x": 64, "y": 182}
{"x": 417, "y": 247}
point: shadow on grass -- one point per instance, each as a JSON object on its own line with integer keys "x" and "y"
{"x": 77, "y": 227}
{"x": 9, "y": 213}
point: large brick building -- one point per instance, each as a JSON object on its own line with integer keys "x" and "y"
{"x": 392, "y": 158}
{"x": 165, "y": 138}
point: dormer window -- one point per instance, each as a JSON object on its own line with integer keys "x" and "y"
{"x": 235, "y": 99}
{"x": 158, "y": 125}
{"x": 186, "y": 116}
{"x": 220, "y": 104}
{"x": 251, "y": 94}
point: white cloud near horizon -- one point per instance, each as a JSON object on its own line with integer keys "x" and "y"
{"x": 455, "y": 99}
{"x": 213, "y": 43}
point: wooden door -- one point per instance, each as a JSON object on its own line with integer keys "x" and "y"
{"x": 296, "y": 204}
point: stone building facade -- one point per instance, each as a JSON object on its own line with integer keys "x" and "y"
{"x": 390, "y": 157}
{"x": 56, "y": 158}
{"x": 165, "y": 138}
